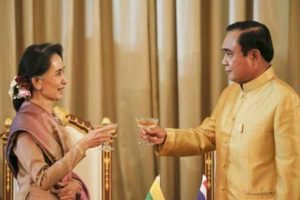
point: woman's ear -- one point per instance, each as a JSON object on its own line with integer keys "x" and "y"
{"x": 36, "y": 82}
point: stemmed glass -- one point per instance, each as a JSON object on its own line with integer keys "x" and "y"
{"x": 107, "y": 146}
{"x": 146, "y": 123}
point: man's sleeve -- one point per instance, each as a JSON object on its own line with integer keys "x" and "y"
{"x": 187, "y": 142}
{"x": 287, "y": 149}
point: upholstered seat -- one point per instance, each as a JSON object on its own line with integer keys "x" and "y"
{"x": 94, "y": 169}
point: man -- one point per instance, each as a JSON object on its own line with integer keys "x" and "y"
{"x": 254, "y": 128}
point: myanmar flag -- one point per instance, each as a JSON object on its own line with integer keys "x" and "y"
{"x": 155, "y": 192}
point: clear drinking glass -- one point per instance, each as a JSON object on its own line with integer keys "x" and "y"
{"x": 146, "y": 123}
{"x": 107, "y": 146}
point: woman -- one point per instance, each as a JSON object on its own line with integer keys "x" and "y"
{"x": 38, "y": 149}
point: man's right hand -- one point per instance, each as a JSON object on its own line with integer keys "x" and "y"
{"x": 155, "y": 135}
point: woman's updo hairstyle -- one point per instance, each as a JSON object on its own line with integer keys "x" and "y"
{"x": 34, "y": 62}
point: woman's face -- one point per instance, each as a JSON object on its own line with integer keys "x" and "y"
{"x": 53, "y": 81}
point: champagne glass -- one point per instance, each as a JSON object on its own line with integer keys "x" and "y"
{"x": 146, "y": 123}
{"x": 107, "y": 146}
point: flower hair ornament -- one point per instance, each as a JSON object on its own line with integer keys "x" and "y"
{"x": 19, "y": 88}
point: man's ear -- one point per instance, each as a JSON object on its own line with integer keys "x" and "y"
{"x": 255, "y": 53}
{"x": 36, "y": 82}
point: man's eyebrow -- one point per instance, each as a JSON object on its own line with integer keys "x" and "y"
{"x": 226, "y": 50}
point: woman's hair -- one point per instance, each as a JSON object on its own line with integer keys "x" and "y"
{"x": 35, "y": 62}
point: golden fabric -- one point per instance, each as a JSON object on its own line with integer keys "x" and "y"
{"x": 255, "y": 130}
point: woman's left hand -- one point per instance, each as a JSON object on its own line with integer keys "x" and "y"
{"x": 68, "y": 191}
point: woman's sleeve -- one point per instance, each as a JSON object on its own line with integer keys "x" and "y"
{"x": 30, "y": 156}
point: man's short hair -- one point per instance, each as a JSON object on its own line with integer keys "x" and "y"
{"x": 254, "y": 35}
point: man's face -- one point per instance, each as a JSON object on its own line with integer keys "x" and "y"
{"x": 237, "y": 66}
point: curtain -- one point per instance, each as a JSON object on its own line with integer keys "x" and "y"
{"x": 153, "y": 58}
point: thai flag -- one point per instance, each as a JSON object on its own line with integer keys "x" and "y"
{"x": 202, "y": 194}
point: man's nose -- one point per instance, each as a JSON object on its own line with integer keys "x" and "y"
{"x": 224, "y": 61}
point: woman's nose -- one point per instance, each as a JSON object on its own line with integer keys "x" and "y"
{"x": 64, "y": 80}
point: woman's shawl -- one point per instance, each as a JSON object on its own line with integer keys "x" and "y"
{"x": 47, "y": 132}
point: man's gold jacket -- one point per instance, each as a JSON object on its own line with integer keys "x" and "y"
{"x": 255, "y": 130}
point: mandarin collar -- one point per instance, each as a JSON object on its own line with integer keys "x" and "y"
{"x": 259, "y": 81}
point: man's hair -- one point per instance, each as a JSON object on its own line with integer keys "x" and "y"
{"x": 254, "y": 35}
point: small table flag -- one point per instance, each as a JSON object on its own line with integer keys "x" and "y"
{"x": 202, "y": 193}
{"x": 155, "y": 192}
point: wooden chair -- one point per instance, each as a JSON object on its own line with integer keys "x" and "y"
{"x": 95, "y": 169}
{"x": 209, "y": 171}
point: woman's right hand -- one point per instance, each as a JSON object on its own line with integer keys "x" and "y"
{"x": 97, "y": 136}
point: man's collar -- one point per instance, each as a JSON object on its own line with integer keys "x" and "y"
{"x": 259, "y": 81}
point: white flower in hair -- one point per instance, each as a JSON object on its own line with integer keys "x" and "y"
{"x": 19, "y": 88}
{"x": 12, "y": 88}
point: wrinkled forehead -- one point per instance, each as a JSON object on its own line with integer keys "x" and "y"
{"x": 231, "y": 40}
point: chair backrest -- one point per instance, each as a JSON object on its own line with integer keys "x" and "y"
{"x": 7, "y": 175}
{"x": 95, "y": 169}
{"x": 210, "y": 173}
